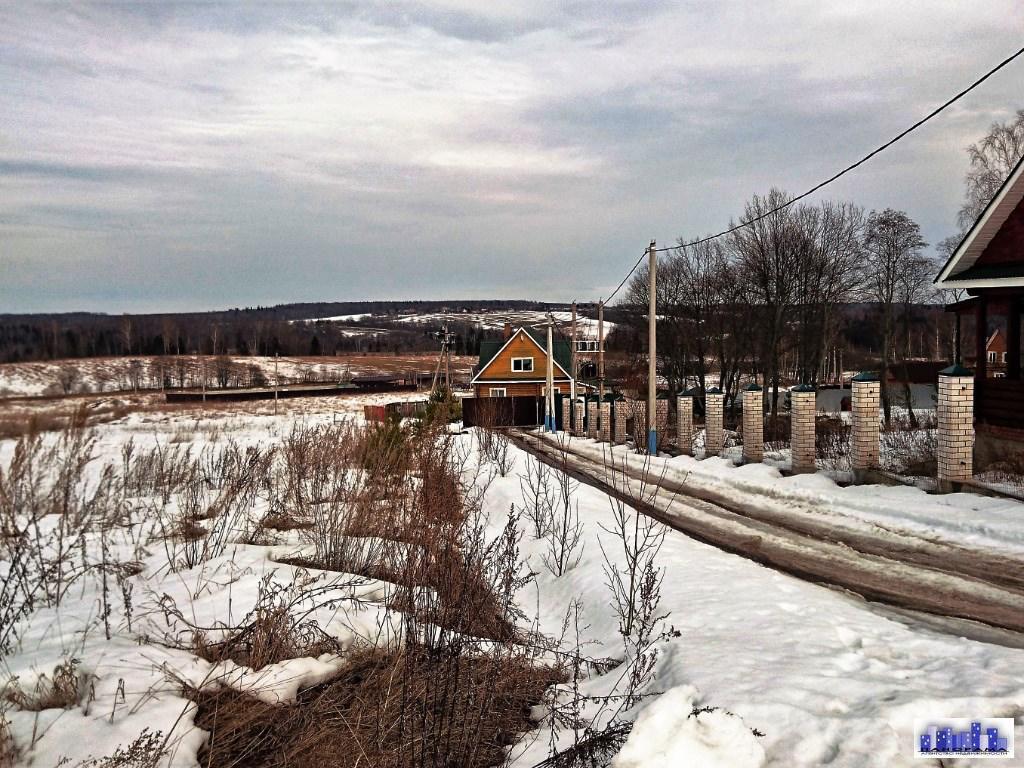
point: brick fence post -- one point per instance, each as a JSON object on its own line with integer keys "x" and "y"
{"x": 864, "y": 441}
{"x": 592, "y": 419}
{"x": 605, "y": 422}
{"x": 577, "y": 425}
{"x": 661, "y": 419}
{"x": 619, "y": 425}
{"x": 802, "y": 409}
{"x": 955, "y": 411}
{"x": 714, "y": 434}
{"x": 684, "y": 424}
{"x": 566, "y": 414}
{"x": 753, "y": 425}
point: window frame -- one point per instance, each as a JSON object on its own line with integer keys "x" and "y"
{"x": 492, "y": 390}
{"x": 991, "y": 357}
{"x": 522, "y": 360}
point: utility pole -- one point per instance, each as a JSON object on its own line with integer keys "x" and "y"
{"x": 652, "y": 351}
{"x": 549, "y": 401}
{"x": 572, "y": 384}
{"x": 600, "y": 350}
{"x": 444, "y": 361}
{"x": 277, "y": 382}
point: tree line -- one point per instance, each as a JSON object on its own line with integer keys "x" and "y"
{"x": 772, "y": 299}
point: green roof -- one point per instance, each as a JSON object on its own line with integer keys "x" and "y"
{"x": 563, "y": 348}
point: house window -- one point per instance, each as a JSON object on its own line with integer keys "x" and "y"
{"x": 991, "y": 357}
{"x": 586, "y": 345}
{"x": 544, "y": 391}
{"x": 499, "y": 392}
{"x": 1004, "y": 357}
{"x": 522, "y": 364}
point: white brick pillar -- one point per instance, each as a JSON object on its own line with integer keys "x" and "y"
{"x": 802, "y": 409}
{"x": 619, "y": 426}
{"x": 684, "y": 424}
{"x": 864, "y": 440}
{"x": 605, "y": 422}
{"x": 592, "y": 419}
{"x": 753, "y": 425}
{"x": 577, "y": 424}
{"x": 714, "y": 435}
{"x": 956, "y": 427}
{"x": 566, "y": 413}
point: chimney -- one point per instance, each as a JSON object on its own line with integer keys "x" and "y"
{"x": 508, "y": 331}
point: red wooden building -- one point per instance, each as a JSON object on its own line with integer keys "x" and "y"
{"x": 988, "y": 266}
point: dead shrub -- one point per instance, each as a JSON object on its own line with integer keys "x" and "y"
{"x": 270, "y": 633}
{"x": 284, "y": 522}
{"x": 146, "y": 751}
{"x": 832, "y": 443}
{"x": 910, "y": 450}
{"x": 8, "y": 749}
{"x": 61, "y": 690}
{"x": 388, "y": 710}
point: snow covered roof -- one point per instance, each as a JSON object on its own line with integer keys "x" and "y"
{"x": 960, "y": 271}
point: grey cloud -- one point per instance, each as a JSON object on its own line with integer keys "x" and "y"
{"x": 189, "y": 156}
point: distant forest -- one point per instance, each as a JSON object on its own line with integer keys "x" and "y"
{"x": 249, "y": 331}
{"x": 270, "y": 330}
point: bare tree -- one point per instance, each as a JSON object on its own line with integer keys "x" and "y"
{"x": 892, "y": 246}
{"x": 992, "y": 159}
{"x": 766, "y": 251}
{"x": 68, "y": 376}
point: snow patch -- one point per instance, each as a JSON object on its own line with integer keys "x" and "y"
{"x": 668, "y": 733}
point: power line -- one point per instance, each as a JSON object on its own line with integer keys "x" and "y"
{"x": 835, "y": 176}
{"x": 628, "y": 275}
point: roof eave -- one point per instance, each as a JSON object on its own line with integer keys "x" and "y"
{"x": 1003, "y": 282}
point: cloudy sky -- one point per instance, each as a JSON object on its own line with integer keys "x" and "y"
{"x": 177, "y": 157}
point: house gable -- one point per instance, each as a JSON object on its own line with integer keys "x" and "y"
{"x": 519, "y": 345}
{"x": 992, "y": 252}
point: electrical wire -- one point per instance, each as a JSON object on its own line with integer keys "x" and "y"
{"x": 832, "y": 178}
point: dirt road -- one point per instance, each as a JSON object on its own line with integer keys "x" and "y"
{"x": 894, "y": 567}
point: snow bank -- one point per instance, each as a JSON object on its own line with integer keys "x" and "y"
{"x": 278, "y": 683}
{"x": 668, "y": 733}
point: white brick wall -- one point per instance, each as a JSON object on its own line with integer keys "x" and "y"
{"x": 802, "y": 416}
{"x": 578, "y": 423}
{"x": 955, "y": 411}
{"x": 684, "y": 424}
{"x": 592, "y": 419}
{"x": 753, "y": 427}
{"x": 864, "y": 441}
{"x": 566, "y": 413}
{"x": 715, "y": 436}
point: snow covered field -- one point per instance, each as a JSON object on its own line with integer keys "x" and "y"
{"x": 824, "y": 677}
{"x": 586, "y": 326}
{"x": 106, "y": 374}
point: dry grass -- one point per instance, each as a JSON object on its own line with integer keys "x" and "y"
{"x": 8, "y": 749}
{"x": 387, "y": 710}
{"x": 61, "y": 690}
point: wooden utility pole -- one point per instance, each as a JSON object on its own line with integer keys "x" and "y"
{"x": 277, "y": 382}
{"x": 652, "y": 351}
{"x": 600, "y": 350}
{"x": 444, "y": 361}
{"x": 549, "y": 401}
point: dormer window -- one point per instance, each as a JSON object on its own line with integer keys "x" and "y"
{"x": 522, "y": 364}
